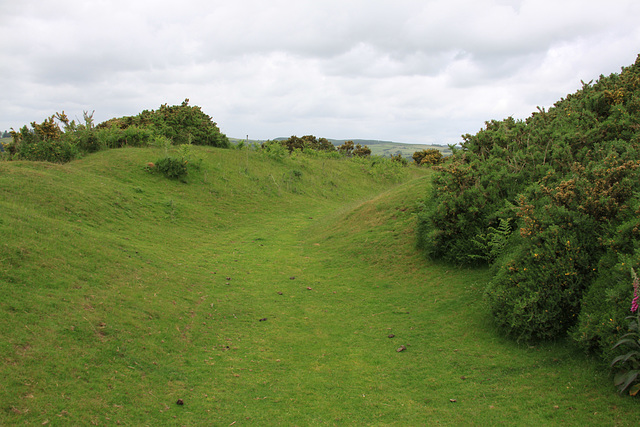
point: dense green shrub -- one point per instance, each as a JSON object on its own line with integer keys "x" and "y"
{"x": 605, "y": 304}
{"x": 537, "y": 290}
{"x": 400, "y": 159}
{"x": 177, "y": 167}
{"x": 274, "y": 150}
{"x": 361, "y": 151}
{"x": 349, "y": 149}
{"x": 47, "y": 141}
{"x": 43, "y": 142}
{"x": 182, "y": 124}
{"x": 318, "y": 144}
{"x": 311, "y": 144}
{"x": 567, "y": 179}
{"x": 293, "y": 143}
{"x": 172, "y": 167}
{"x": 307, "y": 143}
{"x": 431, "y": 156}
{"x": 462, "y": 206}
{"x": 604, "y": 308}
{"x": 60, "y": 150}
{"x": 87, "y": 141}
{"x": 114, "y": 137}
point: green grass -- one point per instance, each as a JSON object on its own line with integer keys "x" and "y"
{"x": 124, "y": 292}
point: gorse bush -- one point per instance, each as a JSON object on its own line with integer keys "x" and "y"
{"x": 33, "y": 147}
{"x": 175, "y": 167}
{"x": 48, "y": 141}
{"x": 310, "y": 143}
{"x": 604, "y": 308}
{"x": 429, "y": 156}
{"x": 400, "y": 159}
{"x": 182, "y": 124}
{"x": 566, "y": 179}
{"x": 172, "y": 167}
{"x": 349, "y": 149}
{"x": 43, "y": 142}
{"x": 536, "y": 292}
{"x": 307, "y": 142}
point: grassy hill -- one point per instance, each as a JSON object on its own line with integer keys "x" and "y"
{"x": 263, "y": 292}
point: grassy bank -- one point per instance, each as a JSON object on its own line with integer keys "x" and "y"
{"x": 263, "y": 292}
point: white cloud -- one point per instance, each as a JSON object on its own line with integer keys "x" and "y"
{"x": 407, "y": 70}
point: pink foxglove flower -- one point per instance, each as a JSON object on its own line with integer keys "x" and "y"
{"x": 634, "y": 303}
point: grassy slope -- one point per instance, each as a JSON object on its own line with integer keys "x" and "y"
{"x": 124, "y": 291}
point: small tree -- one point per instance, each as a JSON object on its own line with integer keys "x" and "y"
{"x": 310, "y": 141}
{"x": 294, "y": 142}
{"x": 182, "y": 124}
{"x": 361, "y": 151}
{"x": 44, "y": 142}
{"x": 319, "y": 144}
{"x": 431, "y": 156}
{"x": 346, "y": 148}
{"x": 399, "y": 159}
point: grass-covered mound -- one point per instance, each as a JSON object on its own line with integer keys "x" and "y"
{"x": 553, "y": 203}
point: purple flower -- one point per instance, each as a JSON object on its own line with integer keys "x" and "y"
{"x": 634, "y": 303}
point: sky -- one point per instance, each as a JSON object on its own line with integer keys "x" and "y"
{"x": 412, "y": 71}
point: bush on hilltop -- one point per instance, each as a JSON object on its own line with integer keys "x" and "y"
{"x": 48, "y": 141}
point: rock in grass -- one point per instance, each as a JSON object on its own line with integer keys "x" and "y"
{"x": 391, "y": 335}
{"x": 401, "y": 348}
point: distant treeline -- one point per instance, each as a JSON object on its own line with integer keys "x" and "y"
{"x": 428, "y": 156}
{"x": 552, "y": 203}
{"x": 385, "y": 148}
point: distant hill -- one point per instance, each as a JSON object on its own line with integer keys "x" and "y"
{"x": 378, "y": 148}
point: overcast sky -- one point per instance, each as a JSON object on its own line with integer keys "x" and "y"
{"x": 416, "y": 71}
